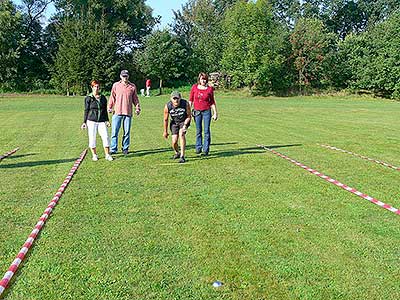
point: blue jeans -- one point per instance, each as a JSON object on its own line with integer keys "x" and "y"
{"x": 117, "y": 121}
{"x": 205, "y": 116}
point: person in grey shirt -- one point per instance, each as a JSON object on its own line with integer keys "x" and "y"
{"x": 179, "y": 110}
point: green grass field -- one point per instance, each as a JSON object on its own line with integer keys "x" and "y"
{"x": 146, "y": 227}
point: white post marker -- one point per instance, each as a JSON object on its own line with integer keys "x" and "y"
{"x": 335, "y": 182}
{"x": 7, "y": 154}
{"x": 39, "y": 225}
{"x": 361, "y": 156}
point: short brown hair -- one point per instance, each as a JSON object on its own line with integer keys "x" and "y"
{"x": 202, "y": 75}
{"x": 94, "y": 82}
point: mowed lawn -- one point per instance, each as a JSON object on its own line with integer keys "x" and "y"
{"x": 146, "y": 227}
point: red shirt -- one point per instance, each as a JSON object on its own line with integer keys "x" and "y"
{"x": 202, "y": 99}
{"x": 148, "y": 82}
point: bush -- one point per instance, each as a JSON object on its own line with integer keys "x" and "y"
{"x": 373, "y": 58}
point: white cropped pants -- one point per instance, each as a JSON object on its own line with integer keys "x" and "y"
{"x": 101, "y": 128}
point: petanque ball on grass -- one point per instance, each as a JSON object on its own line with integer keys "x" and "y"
{"x": 217, "y": 284}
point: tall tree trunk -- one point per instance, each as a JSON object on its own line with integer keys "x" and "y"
{"x": 300, "y": 73}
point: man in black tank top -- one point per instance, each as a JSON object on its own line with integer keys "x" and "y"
{"x": 179, "y": 110}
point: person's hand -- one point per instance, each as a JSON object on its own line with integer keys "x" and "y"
{"x": 184, "y": 128}
{"x": 83, "y": 126}
{"x": 215, "y": 117}
{"x": 110, "y": 110}
{"x": 137, "y": 111}
{"x": 165, "y": 134}
{"x": 108, "y": 124}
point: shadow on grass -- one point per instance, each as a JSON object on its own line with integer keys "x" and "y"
{"x": 282, "y": 146}
{"x": 20, "y": 155}
{"x": 36, "y": 163}
{"x": 242, "y": 151}
{"x": 169, "y": 149}
{"x": 235, "y": 152}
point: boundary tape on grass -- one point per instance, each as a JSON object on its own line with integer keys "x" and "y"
{"x": 335, "y": 182}
{"x": 361, "y": 156}
{"x": 39, "y": 225}
{"x": 7, "y": 154}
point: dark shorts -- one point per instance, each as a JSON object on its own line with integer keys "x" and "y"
{"x": 175, "y": 127}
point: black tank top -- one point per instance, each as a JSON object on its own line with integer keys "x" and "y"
{"x": 178, "y": 114}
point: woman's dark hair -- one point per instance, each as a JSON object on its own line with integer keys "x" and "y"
{"x": 94, "y": 82}
{"x": 202, "y": 75}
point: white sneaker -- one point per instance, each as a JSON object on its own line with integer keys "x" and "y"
{"x": 95, "y": 157}
{"x": 109, "y": 157}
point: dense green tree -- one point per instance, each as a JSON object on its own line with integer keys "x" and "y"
{"x": 266, "y": 45}
{"x": 198, "y": 25}
{"x": 70, "y": 72}
{"x": 25, "y": 38}
{"x": 286, "y": 11}
{"x": 311, "y": 8}
{"x": 87, "y": 50}
{"x": 95, "y": 37}
{"x": 10, "y": 33}
{"x": 355, "y": 16}
{"x": 207, "y": 42}
{"x": 339, "y": 16}
{"x": 102, "y": 46}
{"x": 344, "y": 17}
{"x": 373, "y": 58}
{"x": 163, "y": 57}
{"x": 223, "y": 5}
{"x": 130, "y": 21}
{"x": 32, "y": 72}
{"x": 50, "y": 37}
{"x": 313, "y": 47}
{"x": 376, "y": 11}
{"x": 254, "y": 48}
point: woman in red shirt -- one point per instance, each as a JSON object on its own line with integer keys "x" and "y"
{"x": 203, "y": 104}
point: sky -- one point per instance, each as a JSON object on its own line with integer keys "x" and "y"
{"x": 162, "y": 8}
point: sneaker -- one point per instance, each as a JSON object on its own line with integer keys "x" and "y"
{"x": 182, "y": 160}
{"x": 109, "y": 157}
{"x": 176, "y": 156}
{"x": 198, "y": 151}
{"x": 204, "y": 154}
{"x": 95, "y": 157}
{"x": 113, "y": 152}
{"x": 125, "y": 152}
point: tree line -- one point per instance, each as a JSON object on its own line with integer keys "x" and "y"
{"x": 267, "y": 46}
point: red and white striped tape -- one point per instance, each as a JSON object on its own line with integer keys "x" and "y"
{"x": 335, "y": 182}
{"x": 361, "y": 156}
{"x": 39, "y": 225}
{"x": 7, "y": 154}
